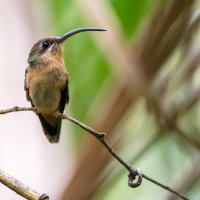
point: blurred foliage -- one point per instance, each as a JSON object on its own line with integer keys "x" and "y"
{"x": 131, "y": 13}
{"x": 141, "y": 136}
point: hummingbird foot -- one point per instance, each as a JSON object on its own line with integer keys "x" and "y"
{"x": 56, "y": 114}
{"x": 43, "y": 197}
{"x": 38, "y": 111}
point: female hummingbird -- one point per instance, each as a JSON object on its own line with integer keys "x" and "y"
{"x": 46, "y": 82}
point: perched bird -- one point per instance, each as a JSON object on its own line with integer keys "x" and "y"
{"x": 46, "y": 82}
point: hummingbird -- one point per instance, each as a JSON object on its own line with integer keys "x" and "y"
{"x": 46, "y": 82}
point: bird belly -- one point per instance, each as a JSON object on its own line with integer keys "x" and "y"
{"x": 45, "y": 84}
{"x": 46, "y": 100}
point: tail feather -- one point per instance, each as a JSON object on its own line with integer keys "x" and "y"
{"x": 51, "y": 127}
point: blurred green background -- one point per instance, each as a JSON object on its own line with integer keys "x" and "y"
{"x": 139, "y": 83}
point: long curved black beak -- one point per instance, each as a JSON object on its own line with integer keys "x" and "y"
{"x": 69, "y": 34}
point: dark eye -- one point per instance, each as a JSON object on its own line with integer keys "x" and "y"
{"x": 46, "y": 44}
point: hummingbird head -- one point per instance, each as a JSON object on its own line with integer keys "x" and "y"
{"x": 47, "y": 49}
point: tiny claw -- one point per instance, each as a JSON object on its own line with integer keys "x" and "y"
{"x": 43, "y": 197}
{"x": 132, "y": 176}
{"x": 38, "y": 111}
{"x": 56, "y": 114}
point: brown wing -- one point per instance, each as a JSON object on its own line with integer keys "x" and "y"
{"x": 64, "y": 96}
{"x": 63, "y": 101}
{"x": 26, "y": 87}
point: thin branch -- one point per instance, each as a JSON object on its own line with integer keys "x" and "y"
{"x": 18, "y": 187}
{"x": 189, "y": 180}
{"x": 100, "y": 137}
{"x": 15, "y": 109}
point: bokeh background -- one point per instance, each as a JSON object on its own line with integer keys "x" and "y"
{"x": 139, "y": 82}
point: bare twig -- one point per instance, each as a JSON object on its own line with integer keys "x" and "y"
{"x": 15, "y": 109}
{"x": 100, "y": 137}
{"x": 18, "y": 187}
